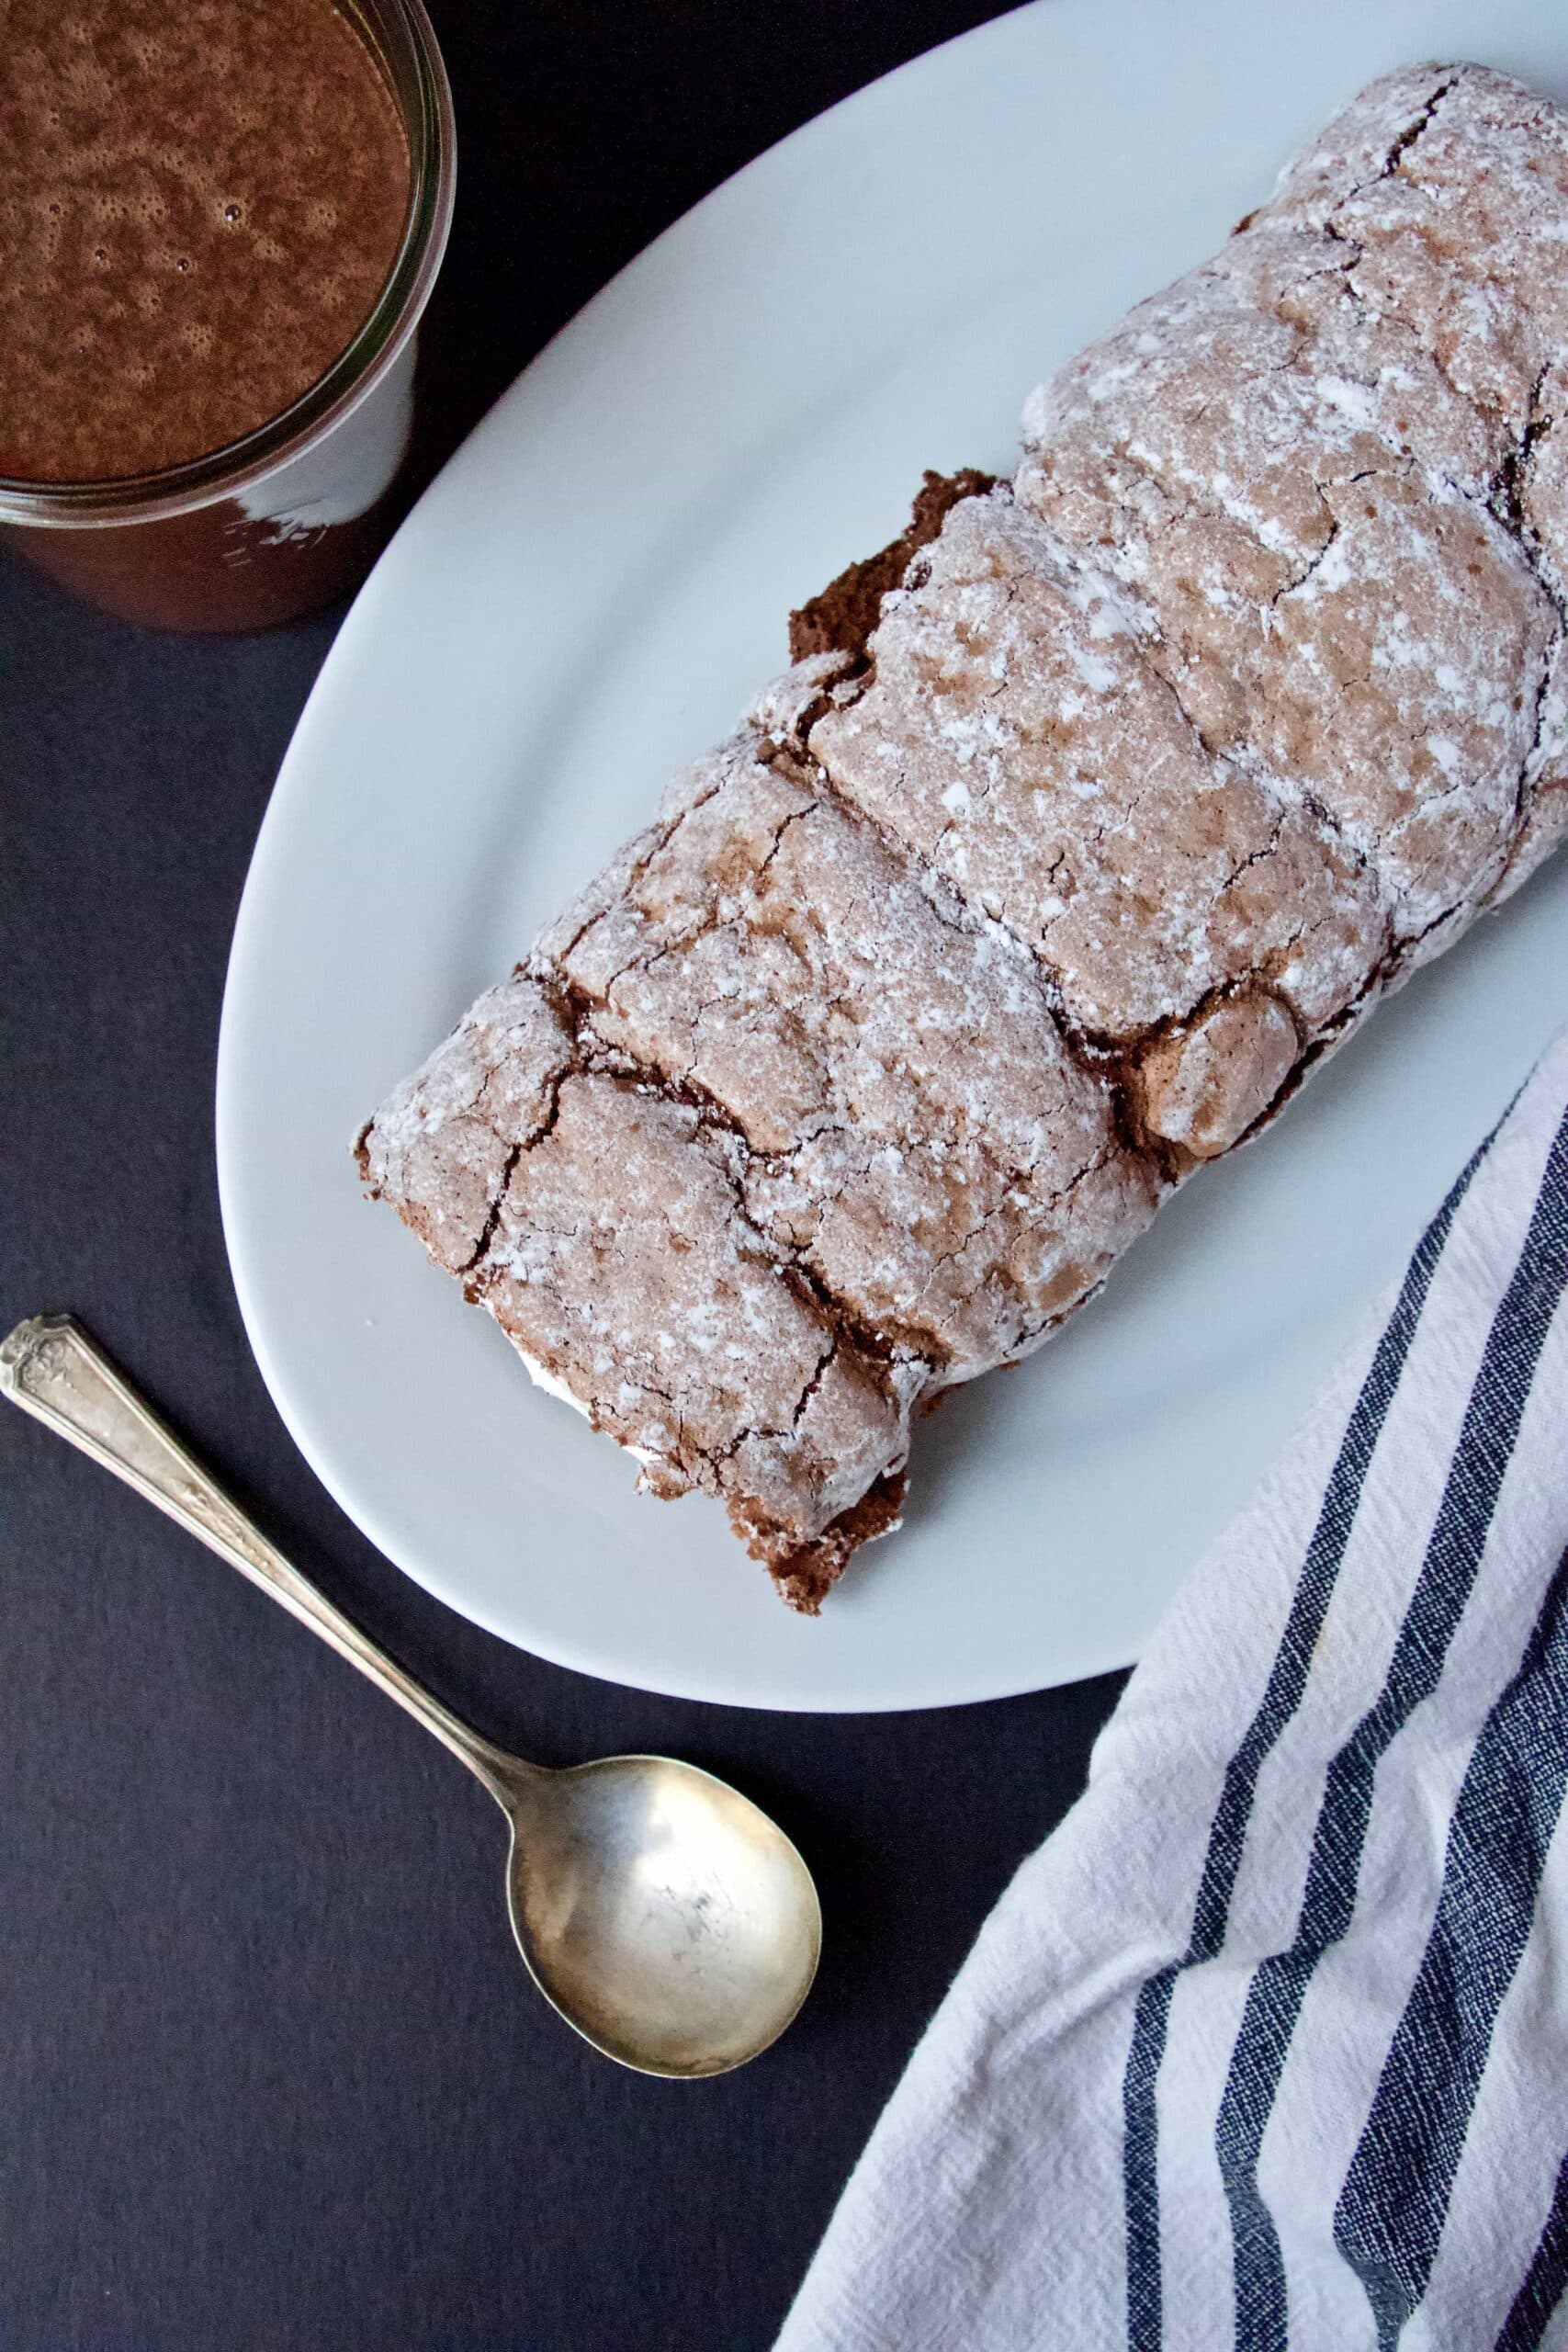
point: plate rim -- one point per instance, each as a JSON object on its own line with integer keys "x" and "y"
{"x": 919, "y": 1690}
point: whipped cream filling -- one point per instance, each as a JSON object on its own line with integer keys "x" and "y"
{"x": 553, "y": 1385}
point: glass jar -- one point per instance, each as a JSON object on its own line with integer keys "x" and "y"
{"x": 292, "y": 515}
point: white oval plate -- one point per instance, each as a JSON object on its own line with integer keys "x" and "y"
{"x": 583, "y": 601}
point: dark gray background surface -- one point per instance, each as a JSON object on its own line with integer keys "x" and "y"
{"x": 272, "y": 2079}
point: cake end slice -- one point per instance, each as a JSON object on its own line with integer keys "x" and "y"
{"x": 600, "y": 1218}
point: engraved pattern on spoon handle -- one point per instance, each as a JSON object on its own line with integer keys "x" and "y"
{"x": 53, "y": 1369}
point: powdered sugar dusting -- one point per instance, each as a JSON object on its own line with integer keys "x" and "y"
{"x": 853, "y": 1074}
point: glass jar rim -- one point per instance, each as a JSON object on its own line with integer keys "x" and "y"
{"x": 425, "y": 100}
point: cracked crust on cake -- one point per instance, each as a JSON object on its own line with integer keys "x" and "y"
{"x": 1093, "y": 814}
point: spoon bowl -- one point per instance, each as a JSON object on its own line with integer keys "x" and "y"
{"x": 659, "y": 1911}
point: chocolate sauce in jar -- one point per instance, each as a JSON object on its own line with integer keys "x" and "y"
{"x": 203, "y": 204}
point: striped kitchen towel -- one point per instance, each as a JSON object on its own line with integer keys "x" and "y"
{"x": 1267, "y": 2046}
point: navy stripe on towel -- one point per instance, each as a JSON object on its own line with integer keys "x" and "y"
{"x": 1287, "y": 1682}
{"x": 1448, "y": 1572}
{"x": 1396, "y": 2198}
{"x": 1546, "y": 2279}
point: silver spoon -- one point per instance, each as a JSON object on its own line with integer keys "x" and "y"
{"x": 661, "y": 1912}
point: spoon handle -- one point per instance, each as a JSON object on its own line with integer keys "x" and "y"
{"x": 55, "y": 1370}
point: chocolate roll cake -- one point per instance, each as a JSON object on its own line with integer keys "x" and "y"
{"x": 1092, "y": 814}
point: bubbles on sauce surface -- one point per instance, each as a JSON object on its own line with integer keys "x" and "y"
{"x": 253, "y": 151}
